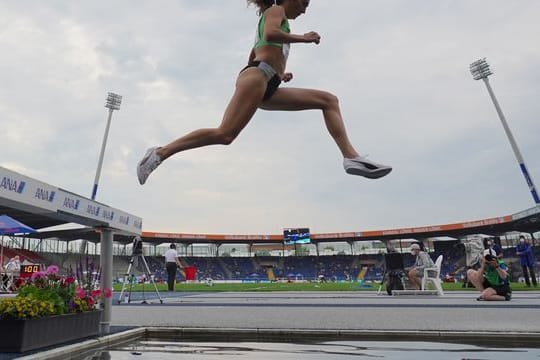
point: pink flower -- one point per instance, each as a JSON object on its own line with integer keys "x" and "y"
{"x": 95, "y": 293}
{"x": 37, "y": 275}
{"x": 79, "y": 292}
{"x": 53, "y": 269}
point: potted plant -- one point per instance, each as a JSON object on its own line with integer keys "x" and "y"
{"x": 50, "y": 309}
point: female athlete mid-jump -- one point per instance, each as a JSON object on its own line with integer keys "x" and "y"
{"x": 257, "y": 86}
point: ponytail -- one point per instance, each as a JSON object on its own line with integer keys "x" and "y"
{"x": 263, "y": 5}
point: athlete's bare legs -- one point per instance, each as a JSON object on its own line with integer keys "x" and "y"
{"x": 294, "y": 99}
{"x": 250, "y": 88}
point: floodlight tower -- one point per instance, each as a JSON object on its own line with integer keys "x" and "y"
{"x": 113, "y": 103}
{"x": 480, "y": 71}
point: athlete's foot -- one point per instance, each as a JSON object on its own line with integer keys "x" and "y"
{"x": 361, "y": 166}
{"x": 149, "y": 163}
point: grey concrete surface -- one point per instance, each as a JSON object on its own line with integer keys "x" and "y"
{"x": 335, "y": 311}
{"x": 456, "y": 317}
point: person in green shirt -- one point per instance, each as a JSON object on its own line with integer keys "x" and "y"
{"x": 491, "y": 278}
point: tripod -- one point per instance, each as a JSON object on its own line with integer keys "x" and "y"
{"x": 393, "y": 273}
{"x": 130, "y": 276}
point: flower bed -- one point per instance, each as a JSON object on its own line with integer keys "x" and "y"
{"x": 51, "y": 309}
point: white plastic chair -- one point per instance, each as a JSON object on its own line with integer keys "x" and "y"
{"x": 433, "y": 274}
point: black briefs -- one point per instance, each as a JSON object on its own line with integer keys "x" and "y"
{"x": 273, "y": 80}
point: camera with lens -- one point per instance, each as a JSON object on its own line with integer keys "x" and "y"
{"x": 137, "y": 246}
{"x": 490, "y": 257}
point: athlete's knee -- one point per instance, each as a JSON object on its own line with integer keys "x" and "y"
{"x": 472, "y": 274}
{"x": 330, "y": 100}
{"x": 228, "y": 139}
{"x": 225, "y": 137}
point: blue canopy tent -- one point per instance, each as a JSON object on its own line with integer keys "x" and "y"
{"x": 10, "y": 226}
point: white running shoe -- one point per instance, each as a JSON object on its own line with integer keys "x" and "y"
{"x": 361, "y": 166}
{"x": 149, "y": 163}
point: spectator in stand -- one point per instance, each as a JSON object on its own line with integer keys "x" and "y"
{"x": 422, "y": 261}
{"x": 171, "y": 263}
{"x": 491, "y": 278}
{"x": 526, "y": 257}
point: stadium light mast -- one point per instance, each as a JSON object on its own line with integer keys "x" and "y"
{"x": 113, "y": 102}
{"x": 480, "y": 71}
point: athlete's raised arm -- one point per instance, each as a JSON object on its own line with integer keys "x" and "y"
{"x": 273, "y": 32}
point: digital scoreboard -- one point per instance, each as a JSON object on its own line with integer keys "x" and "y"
{"x": 29, "y": 269}
{"x": 293, "y": 236}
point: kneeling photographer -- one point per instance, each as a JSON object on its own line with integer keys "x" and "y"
{"x": 491, "y": 278}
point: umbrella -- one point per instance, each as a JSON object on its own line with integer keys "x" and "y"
{"x": 10, "y": 226}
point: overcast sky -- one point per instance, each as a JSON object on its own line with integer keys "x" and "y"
{"x": 400, "y": 69}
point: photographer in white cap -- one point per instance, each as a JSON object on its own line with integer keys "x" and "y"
{"x": 491, "y": 278}
{"x": 422, "y": 261}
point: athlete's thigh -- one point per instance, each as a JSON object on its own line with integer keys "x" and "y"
{"x": 244, "y": 102}
{"x": 293, "y": 99}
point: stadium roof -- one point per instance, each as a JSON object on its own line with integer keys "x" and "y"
{"x": 525, "y": 221}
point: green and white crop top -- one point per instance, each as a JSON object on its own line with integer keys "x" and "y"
{"x": 260, "y": 41}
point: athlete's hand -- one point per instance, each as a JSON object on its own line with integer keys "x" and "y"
{"x": 312, "y": 37}
{"x": 287, "y": 77}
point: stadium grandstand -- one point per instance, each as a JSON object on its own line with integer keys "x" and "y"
{"x": 347, "y": 256}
